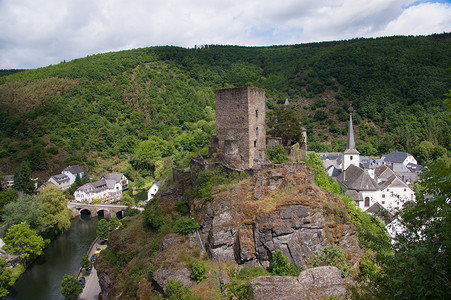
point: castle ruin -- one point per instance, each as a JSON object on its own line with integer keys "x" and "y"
{"x": 240, "y": 141}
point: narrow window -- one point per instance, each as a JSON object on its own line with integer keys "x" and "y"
{"x": 351, "y": 157}
{"x": 255, "y": 143}
{"x": 383, "y": 195}
{"x": 256, "y": 113}
{"x": 256, "y": 131}
{"x": 383, "y": 202}
{"x": 367, "y": 201}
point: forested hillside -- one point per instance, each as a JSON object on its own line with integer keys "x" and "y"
{"x": 142, "y": 111}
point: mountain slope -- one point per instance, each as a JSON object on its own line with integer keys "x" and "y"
{"x": 99, "y": 110}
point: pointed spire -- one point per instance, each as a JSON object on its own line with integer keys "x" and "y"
{"x": 350, "y": 144}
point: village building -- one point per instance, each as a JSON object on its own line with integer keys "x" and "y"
{"x": 373, "y": 181}
{"x": 62, "y": 181}
{"x": 7, "y": 181}
{"x": 107, "y": 190}
{"x": 72, "y": 172}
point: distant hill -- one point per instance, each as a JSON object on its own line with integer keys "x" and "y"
{"x": 154, "y": 107}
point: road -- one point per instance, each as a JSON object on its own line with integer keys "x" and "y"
{"x": 91, "y": 290}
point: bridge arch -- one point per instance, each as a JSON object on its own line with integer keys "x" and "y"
{"x": 85, "y": 211}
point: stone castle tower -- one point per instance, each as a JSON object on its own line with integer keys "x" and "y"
{"x": 240, "y": 127}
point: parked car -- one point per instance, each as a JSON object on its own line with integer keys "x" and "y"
{"x": 98, "y": 250}
{"x": 89, "y": 268}
{"x": 82, "y": 281}
{"x": 93, "y": 257}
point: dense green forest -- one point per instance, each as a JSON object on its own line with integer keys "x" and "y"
{"x": 142, "y": 111}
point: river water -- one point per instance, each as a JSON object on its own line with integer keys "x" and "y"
{"x": 42, "y": 280}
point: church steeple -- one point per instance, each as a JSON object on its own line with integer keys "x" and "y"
{"x": 350, "y": 144}
{"x": 351, "y": 156}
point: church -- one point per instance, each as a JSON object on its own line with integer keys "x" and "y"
{"x": 372, "y": 182}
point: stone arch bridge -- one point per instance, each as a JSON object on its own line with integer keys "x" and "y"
{"x": 95, "y": 209}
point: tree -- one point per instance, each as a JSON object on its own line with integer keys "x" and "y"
{"x": 285, "y": 123}
{"x": 5, "y": 277}
{"x": 25, "y": 209}
{"x": 55, "y": 204}
{"x": 421, "y": 265}
{"x": 22, "y": 240}
{"x": 53, "y": 200}
{"x": 85, "y": 262}
{"x": 102, "y": 229}
{"x": 7, "y": 197}
{"x": 70, "y": 288}
{"x": 22, "y": 179}
{"x": 114, "y": 222}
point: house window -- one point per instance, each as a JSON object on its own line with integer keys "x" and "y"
{"x": 383, "y": 195}
{"x": 404, "y": 190}
{"x": 367, "y": 201}
{"x": 255, "y": 143}
{"x": 351, "y": 157}
{"x": 256, "y": 113}
{"x": 383, "y": 202}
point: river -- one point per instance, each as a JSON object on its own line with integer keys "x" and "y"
{"x": 42, "y": 280}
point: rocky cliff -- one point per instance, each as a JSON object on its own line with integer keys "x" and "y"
{"x": 275, "y": 209}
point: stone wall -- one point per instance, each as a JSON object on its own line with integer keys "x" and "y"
{"x": 240, "y": 116}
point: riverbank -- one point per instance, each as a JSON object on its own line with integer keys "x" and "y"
{"x": 42, "y": 280}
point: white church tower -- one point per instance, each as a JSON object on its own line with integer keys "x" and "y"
{"x": 351, "y": 156}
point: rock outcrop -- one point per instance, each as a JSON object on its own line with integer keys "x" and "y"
{"x": 315, "y": 283}
{"x": 275, "y": 209}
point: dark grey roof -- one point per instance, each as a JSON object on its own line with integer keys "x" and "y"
{"x": 414, "y": 168}
{"x": 113, "y": 176}
{"x": 60, "y": 177}
{"x": 393, "y": 181}
{"x": 380, "y": 211}
{"x": 396, "y": 157}
{"x": 354, "y": 195}
{"x": 399, "y": 168}
{"x": 350, "y": 143}
{"x": 74, "y": 169}
{"x": 356, "y": 179}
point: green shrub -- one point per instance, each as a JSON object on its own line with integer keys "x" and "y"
{"x": 333, "y": 256}
{"x": 281, "y": 267}
{"x": 198, "y": 271}
{"x": 181, "y": 207}
{"x": 175, "y": 290}
{"x": 277, "y": 154}
{"x": 185, "y": 226}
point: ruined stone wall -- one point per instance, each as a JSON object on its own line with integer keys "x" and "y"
{"x": 240, "y": 116}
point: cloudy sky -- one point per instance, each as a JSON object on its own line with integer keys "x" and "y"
{"x": 37, "y": 33}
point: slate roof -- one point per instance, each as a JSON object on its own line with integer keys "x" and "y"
{"x": 60, "y": 177}
{"x": 74, "y": 169}
{"x": 113, "y": 176}
{"x": 350, "y": 143}
{"x": 356, "y": 179}
{"x": 400, "y": 168}
{"x": 380, "y": 211}
{"x": 393, "y": 181}
{"x": 396, "y": 157}
{"x": 354, "y": 195}
{"x": 383, "y": 171}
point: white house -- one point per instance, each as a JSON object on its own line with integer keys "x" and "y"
{"x": 72, "y": 172}
{"x": 154, "y": 189}
{"x": 7, "y": 181}
{"x": 60, "y": 180}
{"x": 399, "y": 157}
{"x": 118, "y": 177}
{"x": 108, "y": 189}
{"x": 394, "y": 193}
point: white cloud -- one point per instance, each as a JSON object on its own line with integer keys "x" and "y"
{"x": 38, "y": 33}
